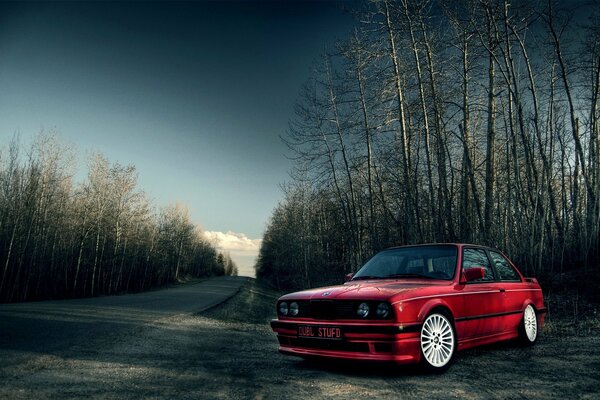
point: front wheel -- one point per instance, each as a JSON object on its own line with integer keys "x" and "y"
{"x": 438, "y": 342}
{"x": 528, "y": 331}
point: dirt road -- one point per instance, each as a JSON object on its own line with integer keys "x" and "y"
{"x": 161, "y": 347}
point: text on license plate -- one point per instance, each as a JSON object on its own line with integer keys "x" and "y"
{"x": 321, "y": 332}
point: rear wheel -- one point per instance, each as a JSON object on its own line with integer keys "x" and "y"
{"x": 528, "y": 330}
{"x": 438, "y": 342}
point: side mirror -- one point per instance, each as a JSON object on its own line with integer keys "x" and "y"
{"x": 473, "y": 274}
{"x": 348, "y": 276}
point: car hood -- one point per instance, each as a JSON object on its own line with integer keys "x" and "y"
{"x": 378, "y": 289}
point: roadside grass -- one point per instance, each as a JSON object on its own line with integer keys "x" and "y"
{"x": 559, "y": 327}
{"x": 570, "y": 314}
{"x": 254, "y": 303}
{"x": 573, "y": 302}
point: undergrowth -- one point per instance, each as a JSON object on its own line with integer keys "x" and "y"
{"x": 254, "y": 303}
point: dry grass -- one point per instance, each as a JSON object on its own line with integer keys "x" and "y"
{"x": 570, "y": 314}
{"x": 255, "y": 303}
{"x": 573, "y": 302}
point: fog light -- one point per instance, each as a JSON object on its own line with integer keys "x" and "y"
{"x": 283, "y": 308}
{"x": 294, "y": 309}
{"x": 383, "y": 310}
{"x": 362, "y": 310}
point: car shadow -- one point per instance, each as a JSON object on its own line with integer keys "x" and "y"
{"x": 358, "y": 367}
{"x": 389, "y": 369}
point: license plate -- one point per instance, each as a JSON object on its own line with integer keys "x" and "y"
{"x": 320, "y": 332}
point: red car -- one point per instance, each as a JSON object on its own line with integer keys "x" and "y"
{"x": 414, "y": 304}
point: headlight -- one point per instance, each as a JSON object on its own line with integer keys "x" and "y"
{"x": 294, "y": 309}
{"x": 283, "y": 308}
{"x": 362, "y": 310}
{"x": 383, "y": 310}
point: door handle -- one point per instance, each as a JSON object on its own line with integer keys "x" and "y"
{"x": 502, "y": 290}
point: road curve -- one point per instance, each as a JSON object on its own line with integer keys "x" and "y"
{"x": 156, "y": 345}
{"x": 54, "y": 326}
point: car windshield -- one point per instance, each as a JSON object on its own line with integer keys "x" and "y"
{"x": 427, "y": 262}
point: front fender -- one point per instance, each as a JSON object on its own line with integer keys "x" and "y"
{"x": 432, "y": 304}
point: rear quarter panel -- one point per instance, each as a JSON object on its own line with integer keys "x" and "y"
{"x": 519, "y": 295}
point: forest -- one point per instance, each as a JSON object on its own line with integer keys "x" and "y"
{"x": 62, "y": 238}
{"x": 446, "y": 121}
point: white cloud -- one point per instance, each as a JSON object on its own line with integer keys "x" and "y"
{"x": 232, "y": 241}
{"x": 242, "y": 249}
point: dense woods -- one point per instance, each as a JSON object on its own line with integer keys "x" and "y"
{"x": 62, "y": 238}
{"x": 442, "y": 121}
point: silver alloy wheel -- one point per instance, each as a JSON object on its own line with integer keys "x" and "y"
{"x": 437, "y": 340}
{"x": 530, "y": 323}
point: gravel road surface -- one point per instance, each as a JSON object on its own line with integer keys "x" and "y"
{"x": 157, "y": 345}
{"x": 60, "y": 348}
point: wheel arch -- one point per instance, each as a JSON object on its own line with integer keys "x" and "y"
{"x": 529, "y": 301}
{"x": 436, "y": 305}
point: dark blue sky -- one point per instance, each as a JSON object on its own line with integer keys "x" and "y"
{"x": 193, "y": 94}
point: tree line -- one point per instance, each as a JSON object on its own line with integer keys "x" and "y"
{"x": 61, "y": 238}
{"x": 443, "y": 121}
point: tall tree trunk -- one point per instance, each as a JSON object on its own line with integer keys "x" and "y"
{"x": 408, "y": 215}
{"x": 593, "y": 217}
{"x": 373, "y": 234}
{"x": 352, "y": 205}
{"x": 8, "y": 256}
{"x": 96, "y": 256}
{"x": 572, "y": 113}
{"x": 547, "y": 170}
{"x": 441, "y": 143}
{"x": 426, "y": 130}
{"x": 490, "y": 174}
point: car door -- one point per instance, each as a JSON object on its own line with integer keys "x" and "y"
{"x": 483, "y": 299}
{"x": 514, "y": 294}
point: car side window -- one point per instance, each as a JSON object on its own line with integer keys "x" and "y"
{"x": 477, "y": 258}
{"x": 505, "y": 271}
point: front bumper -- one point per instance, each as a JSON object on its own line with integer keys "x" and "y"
{"x": 395, "y": 342}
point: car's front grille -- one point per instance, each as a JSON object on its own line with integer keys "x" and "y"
{"x": 327, "y": 309}
{"x": 332, "y": 309}
{"x": 322, "y": 309}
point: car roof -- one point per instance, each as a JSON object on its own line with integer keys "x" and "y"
{"x": 443, "y": 244}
